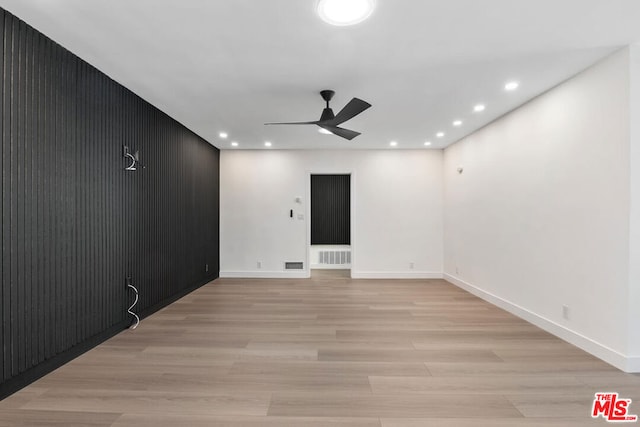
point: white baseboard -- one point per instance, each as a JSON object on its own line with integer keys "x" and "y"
{"x": 620, "y": 361}
{"x": 395, "y": 275}
{"x": 304, "y": 274}
{"x": 298, "y": 274}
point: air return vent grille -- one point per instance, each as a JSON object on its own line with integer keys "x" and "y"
{"x": 334, "y": 257}
{"x": 294, "y": 266}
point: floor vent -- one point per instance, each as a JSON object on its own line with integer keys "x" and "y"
{"x": 334, "y": 257}
{"x": 294, "y": 266}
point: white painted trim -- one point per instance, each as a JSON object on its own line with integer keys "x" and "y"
{"x": 395, "y": 275}
{"x": 620, "y": 361}
{"x": 298, "y": 274}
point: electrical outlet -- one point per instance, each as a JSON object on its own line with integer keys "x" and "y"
{"x": 411, "y": 266}
{"x": 565, "y": 312}
{"x": 259, "y": 264}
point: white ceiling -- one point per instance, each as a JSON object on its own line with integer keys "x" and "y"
{"x": 232, "y": 65}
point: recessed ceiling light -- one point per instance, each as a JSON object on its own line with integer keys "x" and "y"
{"x": 234, "y": 144}
{"x": 511, "y": 86}
{"x": 478, "y": 108}
{"x": 428, "y": 143}
{"x": 267, "y": 144}
{"x": 324, "y": 131}
{"x": 440, "y": 134}
{"x": 223, "y": 135}
{"x": 393, "y": 143}
{"x": 344, "y": 12}
{"x": 457, "y": 123}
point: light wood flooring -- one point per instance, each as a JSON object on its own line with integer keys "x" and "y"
{"x": 328, "y": 351}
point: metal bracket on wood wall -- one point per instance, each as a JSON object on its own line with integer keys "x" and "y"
{"x": 136, "y": 319}
{"x": 133, "y": 157}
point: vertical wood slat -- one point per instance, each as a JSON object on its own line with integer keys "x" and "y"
{"x": 47, "y": 231}
{"x": 3, "y": 228}
{"x": 28, "y": 236}
{"x": 54, "y": 200}
{"x": 20, "y": 149}
{"x": 13, "y": 207}
{"x": 74, "y": 223}
{"x": 41, "y": 211}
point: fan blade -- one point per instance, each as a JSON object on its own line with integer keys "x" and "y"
{"x": 345, "y": 133}
{"x": 352, "y": 109}
{"x": 294, "y": 123}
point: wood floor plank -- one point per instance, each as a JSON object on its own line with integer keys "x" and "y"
{"x": 202, "y": 383}
{"x": 146, "y": 420}
{"x": 477, "y": 385}
{"x": 558, "y": 367}
{"x": 488, "y": 422}
{"x": 175, "y": 402}
{"x": 233, "y": 353}
{"x": 520, "y": 355}
{"x": 17, "y": 400}
{"x": 391, "y": 405}
{"x": 268, "y": 343}
{"x": 58, "y": 418}
{"x": 327, "y": 351}
{"x": 303, "y": 368}
{"x": 427, "y": 356}
{"x": 554, "y": 406}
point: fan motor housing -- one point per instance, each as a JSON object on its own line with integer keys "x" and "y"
{"x": 327, "y": 114}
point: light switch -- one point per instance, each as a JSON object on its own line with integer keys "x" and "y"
{"x": 300, "y": 216}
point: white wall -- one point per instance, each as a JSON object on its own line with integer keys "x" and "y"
{"x": 634, "y": 235}
{"x": 397, "y": 207}
{"x": 540, "y": 216}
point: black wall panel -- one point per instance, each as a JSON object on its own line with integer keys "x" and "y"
{"x": 75, "y": 224}
{"x": 330, "y": 209}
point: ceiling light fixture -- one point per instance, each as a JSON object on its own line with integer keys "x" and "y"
{"x": 478, "y": 108}
{"x": 428, "y": 143}
{"x": 457, "y": 123}
{"x": 344, "y": 12}
{"x": 234, "y": 144}
{"x": 267, "y": 144}
{"x": 223, "y": 135}
{"x": 440, "y": 134}
{"x": 511, "y": 86}
{"x": 393, "y": 143}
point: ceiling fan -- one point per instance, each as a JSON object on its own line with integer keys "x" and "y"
{"x": 330, "y": 122}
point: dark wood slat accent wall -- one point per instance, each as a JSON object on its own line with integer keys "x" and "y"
{"x": 330, "y": 209}
{"x": 75, "y": 224}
